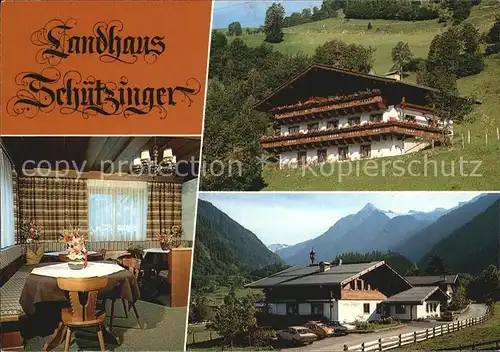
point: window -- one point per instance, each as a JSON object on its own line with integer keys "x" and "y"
{"x": 292, "y": 309}
{"x": 117, "y": 210}
{"x": 302, "y": 158}
{"x": 321, "y": 155}
{"x": 379, "y": 308}
{"x": 400, "y": 309}
{"x": 317, "y": 309}
{"x": 293, "y": 129}
{"x": 354, "y": 121}
{"x": 332, "y": 124}
{"x": 366, "y": 151}
{"x": 427, "y": 307}
{"x": 366, "y": 308}
{"x": 7, "y": 236}
{"x": 376, "y": 118}
{"x": 343, "y": 152}
{"x": 410, "y": 118}
{"x": 359, "y": 285}
{"x": 313, "y": 127}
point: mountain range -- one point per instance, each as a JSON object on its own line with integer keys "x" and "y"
{"x": 277, "y": 246}
{"x": 370, "y": 229}
{"x": 466, "y": 237}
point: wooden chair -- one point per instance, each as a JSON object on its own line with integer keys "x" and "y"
{"x": 134, "y": 266}
{"x": 83, "y": 314}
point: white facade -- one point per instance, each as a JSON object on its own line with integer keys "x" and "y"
{"x": 341, "y": 310}
{"x": 429, "y": 309}
{"x": 382, "y": 148}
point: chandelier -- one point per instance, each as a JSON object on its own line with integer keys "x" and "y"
{"x": 152, "y": 165}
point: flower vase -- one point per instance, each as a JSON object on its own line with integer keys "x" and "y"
{"x": 164, "y": 246}
{"x": 33, "y": 257}
{"x": 76, "y": 264}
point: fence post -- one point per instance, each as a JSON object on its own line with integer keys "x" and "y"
{"x": 399, "y": 340}
{"x": 433, "y": 331}
{"x": 363, "y": 346}
{"x": 414, "y": 336}
{"x": 498, "y": 133}
{"x": 380, "y": 344}
{"x": 346, "y": 348}
{"x": 426, "y": 334}
{"x": 468, "y": 136}
{"x": 463, "y": 141}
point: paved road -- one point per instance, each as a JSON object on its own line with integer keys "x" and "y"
{"x": 337, "y": 343}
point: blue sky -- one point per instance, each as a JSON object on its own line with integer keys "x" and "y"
{"x": 291, "y": 218}
{"x": 252, "y": 13}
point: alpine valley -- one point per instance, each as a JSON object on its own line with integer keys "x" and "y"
{"x": 466, "y": 237}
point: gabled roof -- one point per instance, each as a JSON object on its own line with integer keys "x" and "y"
{"x": 324, "y": 80}
{"x": 312, "y": 275}
{"x": 432, "y": 280}
{"x": 327, "y": 77}
{"x": 418, "y": 295}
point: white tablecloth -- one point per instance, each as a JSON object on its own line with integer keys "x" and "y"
{"x": 154, "y": 250}
{"x": 56, "y": 254}
{"x": 92, "y": 270}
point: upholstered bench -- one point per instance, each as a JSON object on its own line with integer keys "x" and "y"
{"x": 11, "y": 313}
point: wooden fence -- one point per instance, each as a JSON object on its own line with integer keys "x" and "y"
{"x": 388, "y": 343}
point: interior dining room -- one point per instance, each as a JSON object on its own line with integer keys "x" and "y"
{"x": 96, "y": 241}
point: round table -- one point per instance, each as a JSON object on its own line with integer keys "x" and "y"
{"x": 54, "y": 256}
{"x": 38, "y": 289}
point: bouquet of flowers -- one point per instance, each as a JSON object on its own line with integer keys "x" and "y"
{"x": 75, "y": 245}
{"x": 31, "y": 233}
{"x": 171, "y": 239}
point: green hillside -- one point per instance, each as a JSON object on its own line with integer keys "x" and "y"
{"x": 472, "y": 247}
{"x": 227, "y": 251}
{"x": 383, "y": 36}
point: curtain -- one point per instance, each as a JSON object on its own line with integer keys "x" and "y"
{"x": 164, "y": 207}
{"x": 117, "y": 210}
{"x": 54, "y": 204}
{"x": 7, "y": 236}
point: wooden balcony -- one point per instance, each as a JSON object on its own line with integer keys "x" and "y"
{"x": 333, "y": 110}
{"x": 350, "y": 135}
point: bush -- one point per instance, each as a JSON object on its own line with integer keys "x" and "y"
{"x": 493, "y": 49}
{"x": 362, "y": 325}
{"x": 387, "y": 320}
{"x": 470, "y": 64}
{"x": 414, "y": 64}
{"x": 261, "y": 337}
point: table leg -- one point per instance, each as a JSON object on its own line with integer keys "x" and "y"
{"x": 56, "y": 338}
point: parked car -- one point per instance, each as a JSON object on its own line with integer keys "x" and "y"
{"x": 320, "y": 329}
{"x": 341, "y": 328}
{"x": 297, "y": 335}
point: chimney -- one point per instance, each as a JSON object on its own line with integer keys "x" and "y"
{"x": 324, "y": 266}
{"x": 312, "y": 256}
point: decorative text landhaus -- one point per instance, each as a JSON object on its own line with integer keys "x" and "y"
{"x": 330, "y": 114}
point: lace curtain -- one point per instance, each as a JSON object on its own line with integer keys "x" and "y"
{"x": 7, "y": 236}
{"x": 117, "y": 210}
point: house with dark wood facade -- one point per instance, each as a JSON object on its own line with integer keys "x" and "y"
{"x": 326, "y": 114}
{"x": 348, "y": 292}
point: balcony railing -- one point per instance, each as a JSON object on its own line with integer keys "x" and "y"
{"x": 346, "y": 108}
{"x": 352, "y": 132}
